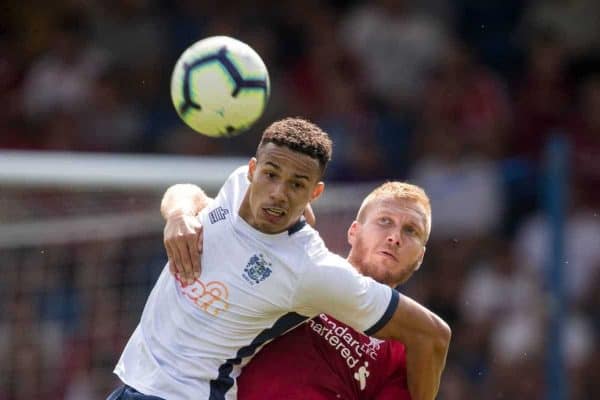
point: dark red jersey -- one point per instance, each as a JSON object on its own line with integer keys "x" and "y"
{"x": 326, "y": 359}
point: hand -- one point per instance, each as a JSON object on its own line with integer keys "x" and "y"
{"x": 309, "y": 215}
{"x": 183, "y": 242}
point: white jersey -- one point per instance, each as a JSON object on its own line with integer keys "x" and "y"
{"x": 193, "y": 340}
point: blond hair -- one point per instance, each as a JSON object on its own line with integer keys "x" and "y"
{"x": 399, "y": 191}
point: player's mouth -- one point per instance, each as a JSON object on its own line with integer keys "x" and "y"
{"x": 388, "y": 254}
{"x": 274, "y": 214}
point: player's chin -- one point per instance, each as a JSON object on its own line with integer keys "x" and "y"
{"x": 271, "y": 228}
{"x": 387, "y": 271}
{"x": 375, "y": 269}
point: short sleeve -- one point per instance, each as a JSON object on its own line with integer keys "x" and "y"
{"x": 331, "y": 285}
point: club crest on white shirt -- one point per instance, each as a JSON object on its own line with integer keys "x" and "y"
{"x": 257, "y": 269}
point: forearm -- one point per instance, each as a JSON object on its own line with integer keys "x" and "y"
{"x": 425, "y": 361}
{"x": 427, "y": 338}
{"x": 184, "y": 199}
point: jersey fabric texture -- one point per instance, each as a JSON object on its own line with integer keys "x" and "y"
{"x": 192, "y": 340}
{"x": 326, "y": 359}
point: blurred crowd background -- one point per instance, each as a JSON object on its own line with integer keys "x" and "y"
{"x": 457, "y": 96}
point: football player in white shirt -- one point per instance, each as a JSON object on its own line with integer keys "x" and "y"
{"x": 264, "y": 271}
{"x": 387, "y": 238}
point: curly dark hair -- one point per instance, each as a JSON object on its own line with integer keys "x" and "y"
{"x": 299, "y": 135}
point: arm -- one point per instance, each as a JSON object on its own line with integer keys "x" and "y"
{"x": 183, "y": 198}
{"x": 183, "y": 232}
{"x": 427, "y": 338}
{"x": 334, "y": 287}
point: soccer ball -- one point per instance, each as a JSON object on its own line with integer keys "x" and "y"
{"x": 220, "y": 86}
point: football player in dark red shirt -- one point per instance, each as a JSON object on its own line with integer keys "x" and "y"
{"x": 324, "y": 358}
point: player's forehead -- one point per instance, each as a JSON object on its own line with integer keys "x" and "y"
{"x": 401, "y": 208}
{"x": 288, "y": 161}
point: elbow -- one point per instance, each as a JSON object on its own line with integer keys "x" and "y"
{"x": 444, "y": 331}
{"x": 443, "y": 335}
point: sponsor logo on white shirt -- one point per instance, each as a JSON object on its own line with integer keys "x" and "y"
{"x": 210, "y": 297}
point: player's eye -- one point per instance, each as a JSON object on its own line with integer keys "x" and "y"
{"x": 297, "y": 185}
{"x": 384, "y": 221}
{"x": 411, "y": 230}
{"x": 270, "y": 174}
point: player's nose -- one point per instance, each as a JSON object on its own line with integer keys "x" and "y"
{"x": 394, "y": 239}
{"x": 278, "y": 194}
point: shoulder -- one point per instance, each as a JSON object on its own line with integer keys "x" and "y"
{"x": 304, "y": 239}
{"x": 316, "y": 249}
{"x": 234, "y": 189}
{"x": 238, "y": 179}
{"x": 240, "y": 172}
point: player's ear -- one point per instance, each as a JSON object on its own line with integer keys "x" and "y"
{"x": 352, "y": 233}
{"x": 251, "y": 168}
{"x": 317, "y": 191}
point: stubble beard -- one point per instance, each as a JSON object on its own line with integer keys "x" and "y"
{"x": 360, "y": 260}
